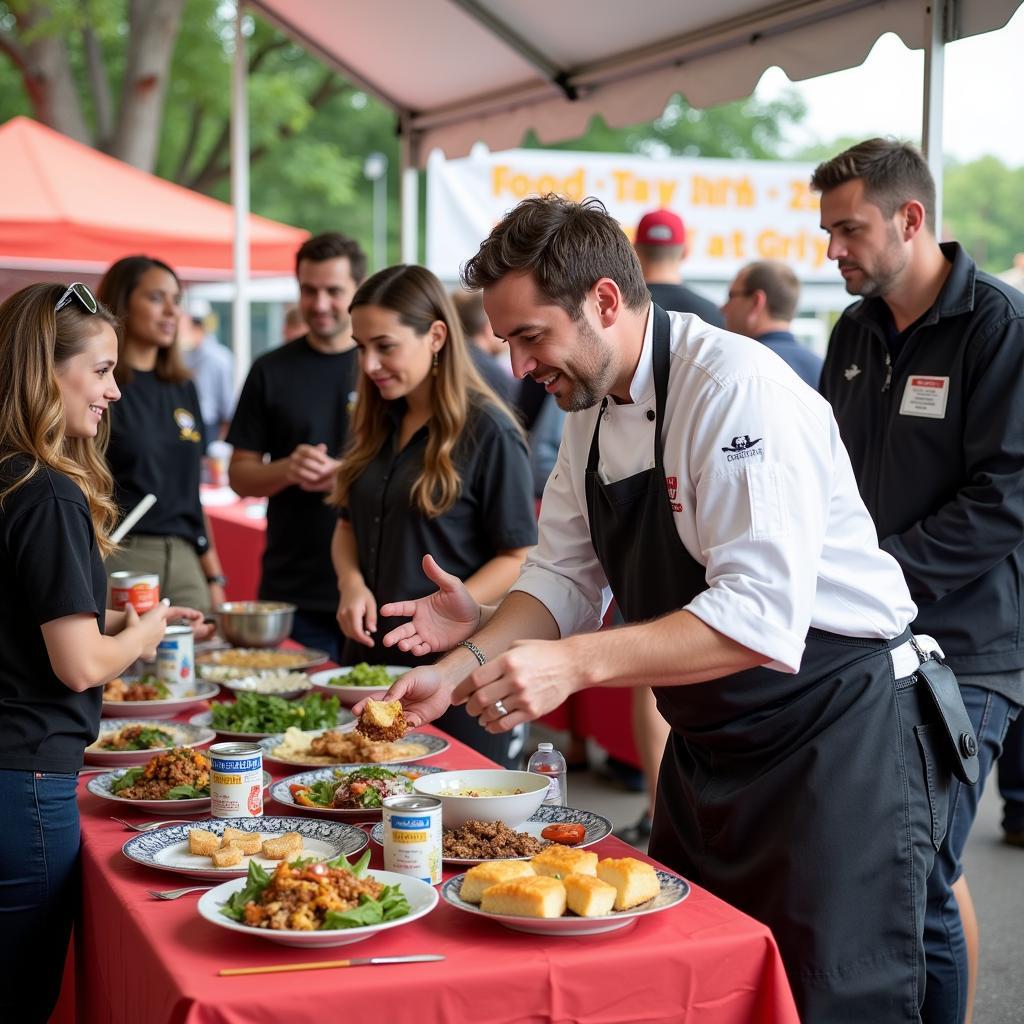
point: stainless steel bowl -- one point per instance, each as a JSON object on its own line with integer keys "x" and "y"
{"x": 255, "y": 623}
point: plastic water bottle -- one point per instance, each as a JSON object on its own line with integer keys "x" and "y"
{"x": 548, "y": 761}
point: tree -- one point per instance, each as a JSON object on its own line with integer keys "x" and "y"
{"x": 982, "y": 210}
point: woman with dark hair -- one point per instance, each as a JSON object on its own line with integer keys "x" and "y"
{"x": 434, "y": 464}
{"x": 58, "y": 349}
{"x": 156, "y": 437}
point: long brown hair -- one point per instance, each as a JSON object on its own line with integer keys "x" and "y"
{"x": 420, "y": 300}
{"x": 34, "y": 342}
{"x": 115, "y": 291}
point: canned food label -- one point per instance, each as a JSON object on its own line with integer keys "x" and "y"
{"x": 236, "y": 781}
{"x": 409, "y": 837}
{"x": 402, "y": 822}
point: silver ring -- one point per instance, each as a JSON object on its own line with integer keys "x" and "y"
{"x": 500, "y": 708}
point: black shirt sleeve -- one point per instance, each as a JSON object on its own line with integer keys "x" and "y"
{"x": 504, "y": 489}
{"x": 248, "y": 430}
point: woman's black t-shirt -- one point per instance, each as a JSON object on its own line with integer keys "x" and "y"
{"x": 50, "y": 567}
{"x": 156, "y": 447}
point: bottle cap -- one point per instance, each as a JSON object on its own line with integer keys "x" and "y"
{"x": 544, "y": 746}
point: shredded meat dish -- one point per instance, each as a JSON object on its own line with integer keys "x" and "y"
{"x": 354, "y": 748}
{"x": 136, "y": 737}
{"x": 488, "y": 840}
{"x": 300, "y": 897}
{"x": 146, "y": 688}
{"x": 182, "y": 767}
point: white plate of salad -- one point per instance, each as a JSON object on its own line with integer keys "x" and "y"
{"x": 354, "y": 683}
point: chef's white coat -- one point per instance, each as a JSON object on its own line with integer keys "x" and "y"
{"x": 763, "y": 496}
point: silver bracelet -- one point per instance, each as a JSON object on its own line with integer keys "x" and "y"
{"x": 474, "y": 650}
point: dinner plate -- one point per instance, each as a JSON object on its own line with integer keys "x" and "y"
{"x": 296, "y": 684}
{"x": 422, "y": 899}
{"x": 184, "y": 736}
{"x": 673, "y": 891}
{"x": 281, "y": 792}
{"x": 101, "y": 786}
{"x": 596, "y": 825}
{"x": 166, "y": 849}
{"x": 349, "y": 695}
{"x": 346, "y": 723}
{"x": 305, "y": 657}
{"x": 184, "y": 695}
{"x": 432, "y": 744}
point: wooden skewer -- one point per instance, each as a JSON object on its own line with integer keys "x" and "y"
{"x": 278, "y": 968}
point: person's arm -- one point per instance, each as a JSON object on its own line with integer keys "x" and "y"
{"x": 82, "y": 657}
{"x": 491, "y": 581}
{"x": 209, "y": 561}
{"x": 309, "y": 467}
{"x": 357, "y": 607}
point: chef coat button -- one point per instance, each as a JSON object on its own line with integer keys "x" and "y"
{"x": 650, "y": 414}
{"x": 376, "y": 519}
{"x": 968, "y": 744}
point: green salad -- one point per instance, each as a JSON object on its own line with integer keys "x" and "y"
{"x": 281, "y": 900}
{"x": 364, "y": 675}
{"x": 256, "y": 712}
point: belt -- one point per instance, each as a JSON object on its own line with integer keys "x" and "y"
{"x": 907, "y": 657}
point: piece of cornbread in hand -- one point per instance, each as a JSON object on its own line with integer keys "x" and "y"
{"x": 226, "y": 857}
{"x": 201, "y": 842}
{"x": 559, "y": 861}
{"x": 635, "y": 880}
{"x": 483, "y": 876}
{"x": 382, "y": 720}
{"x": 538, "y": 896}
{"x": 588, "y": 896}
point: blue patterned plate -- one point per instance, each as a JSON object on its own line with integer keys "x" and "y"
{"x": 596, "y": 825}
{"x": 673, "y": 890}
{"x": 414, "y": 746}
{"x": 282, "y": 793}
{"x": 167, "y": 848}
{"x": 182, "y": 735}
{"x": 101, "y": 786}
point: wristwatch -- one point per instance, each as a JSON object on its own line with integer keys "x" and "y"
{"x": 220, "y": 579}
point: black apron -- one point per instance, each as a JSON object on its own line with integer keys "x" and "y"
{"x": 815, "y": 801}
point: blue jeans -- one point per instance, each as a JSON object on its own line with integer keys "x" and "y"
{"x": 945, "y": 1000}
{"x": 318, "y": 630}
{"x": 39, "y": 889}
{"x": 1011, "y": 778}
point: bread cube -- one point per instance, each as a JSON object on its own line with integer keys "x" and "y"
{"x": 559, "y": 861}
{"x": 279, "y": 848}
{"x": 201, "y": 842}
{"x": 483, "y": 876}
{"x": 226, "y": 857}
{"x": 588, "y": 896}
{"x": 538, "y": 896}
{"x": 382, "y": 720}
{"x": 247, "y": 842}
{"x": 635, "y": 881}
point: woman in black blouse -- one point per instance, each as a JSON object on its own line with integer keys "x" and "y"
{"x": 156, "y": 441}
{"x": 435, "y": 463}
{"x": 58, "y": 348}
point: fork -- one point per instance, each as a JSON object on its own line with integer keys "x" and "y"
{"x": 149, "y": 826}
{"x": 173, "y": 894}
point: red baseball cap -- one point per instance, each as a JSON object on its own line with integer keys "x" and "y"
{"x": 661, "y": 227}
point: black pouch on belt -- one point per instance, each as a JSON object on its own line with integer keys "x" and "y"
{"x": 945, "y": 692}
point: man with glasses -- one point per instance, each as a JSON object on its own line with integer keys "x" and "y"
{"x": 761, "y": 303}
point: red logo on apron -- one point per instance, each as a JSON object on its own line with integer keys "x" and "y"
{"x": 672, "y": 483}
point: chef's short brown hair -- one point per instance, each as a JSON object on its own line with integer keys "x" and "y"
{"x": 566, "y": 246}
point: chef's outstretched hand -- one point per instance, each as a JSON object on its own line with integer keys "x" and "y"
{"x": 422, "y": 692}
{"x": 437, "y": 622}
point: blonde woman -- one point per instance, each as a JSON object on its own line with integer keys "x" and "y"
{"x": 435, "y": 463}
{"x": 58, "y": 349}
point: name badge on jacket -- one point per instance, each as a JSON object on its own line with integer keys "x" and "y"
{"x": 925, "y": 396}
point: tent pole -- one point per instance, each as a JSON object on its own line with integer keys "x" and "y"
{"x": 410, "y": 192}
{"x": 934, "y": 71}
{"x": 240, "y": 327}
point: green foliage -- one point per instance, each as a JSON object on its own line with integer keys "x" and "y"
{"x": 982, "y": 210}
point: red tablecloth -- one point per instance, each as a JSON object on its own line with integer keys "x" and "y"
{"x": 144, "y": 960}
{"x": 240, "y": 540}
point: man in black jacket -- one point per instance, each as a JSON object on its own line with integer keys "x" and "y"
{"x": 926, "y": 377}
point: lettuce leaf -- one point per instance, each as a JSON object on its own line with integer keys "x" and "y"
{"x": 256, "y": 881}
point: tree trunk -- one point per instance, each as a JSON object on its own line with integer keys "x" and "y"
{"x": 153, "y": 28}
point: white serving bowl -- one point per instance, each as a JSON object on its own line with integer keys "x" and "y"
{"x": 512, "y": 808}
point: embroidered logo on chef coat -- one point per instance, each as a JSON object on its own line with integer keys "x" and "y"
{"x": 672, "y": 483}
{"x": 743, "y": 448}
{"x": 851, "y": 371}
{"x": 186, "y": 426}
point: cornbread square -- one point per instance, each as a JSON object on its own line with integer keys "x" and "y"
{"x": 483, "y": 876}
{"x": 559, "y": 861}
{"x": 279, "y": 849}
{"x": 294, "y": 839}
{"x": 538, "y": 896}
{"x": 247, "y": 842}
{"x": 635, "y": 880}
{"x": 589, "y": 896}
{"x": 382, "y": 720}
{"x": 232, "y": 833}
{"x": 226, "y": 857}
{"x": 201, "y": 842}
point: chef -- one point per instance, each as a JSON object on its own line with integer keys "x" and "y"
{"x": 704, "y": 484}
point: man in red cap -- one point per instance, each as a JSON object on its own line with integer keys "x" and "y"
{"x": 660, "y": 244}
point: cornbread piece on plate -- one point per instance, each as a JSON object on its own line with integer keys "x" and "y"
{"x": 525, "y": 897}
{"x": 279, "y": 848}
{"x": 559, "y": 861}
{"x": 635, "y": 881}
{"x": 483, "y": 876}
{"x": 588, "y": 896}
{"x": 249, "y": 842}
{"x": 382, "y": 720}
{"x": 201, "y": 842}
{"x": 227, "y": 856}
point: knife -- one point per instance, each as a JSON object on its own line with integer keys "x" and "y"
{"x": 320, "y": 965}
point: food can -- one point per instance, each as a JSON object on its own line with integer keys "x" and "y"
{"x": 412, "y": 836}
{"x": 236, "y": 780}
{"x": 175, "y": 656}
{"x": 139, "y": 589}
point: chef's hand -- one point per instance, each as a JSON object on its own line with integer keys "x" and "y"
{"x": 311, "y": 468}
{"x": 423, "y": 693}
{"x": 193, "y": 617}
{"x": 530, "y": 679}
{"x": 357, "y": 613}
{"x": 439, "y": 621}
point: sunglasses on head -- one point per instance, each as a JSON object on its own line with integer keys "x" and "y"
{"x": 79, "y": 291}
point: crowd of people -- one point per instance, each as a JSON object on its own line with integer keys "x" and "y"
{"x": 799, "y": 552}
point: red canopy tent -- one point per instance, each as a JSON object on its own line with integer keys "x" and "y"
{"x": 66, "y": 208}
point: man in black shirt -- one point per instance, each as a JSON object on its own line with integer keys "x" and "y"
{"x": 294, "y": 408}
